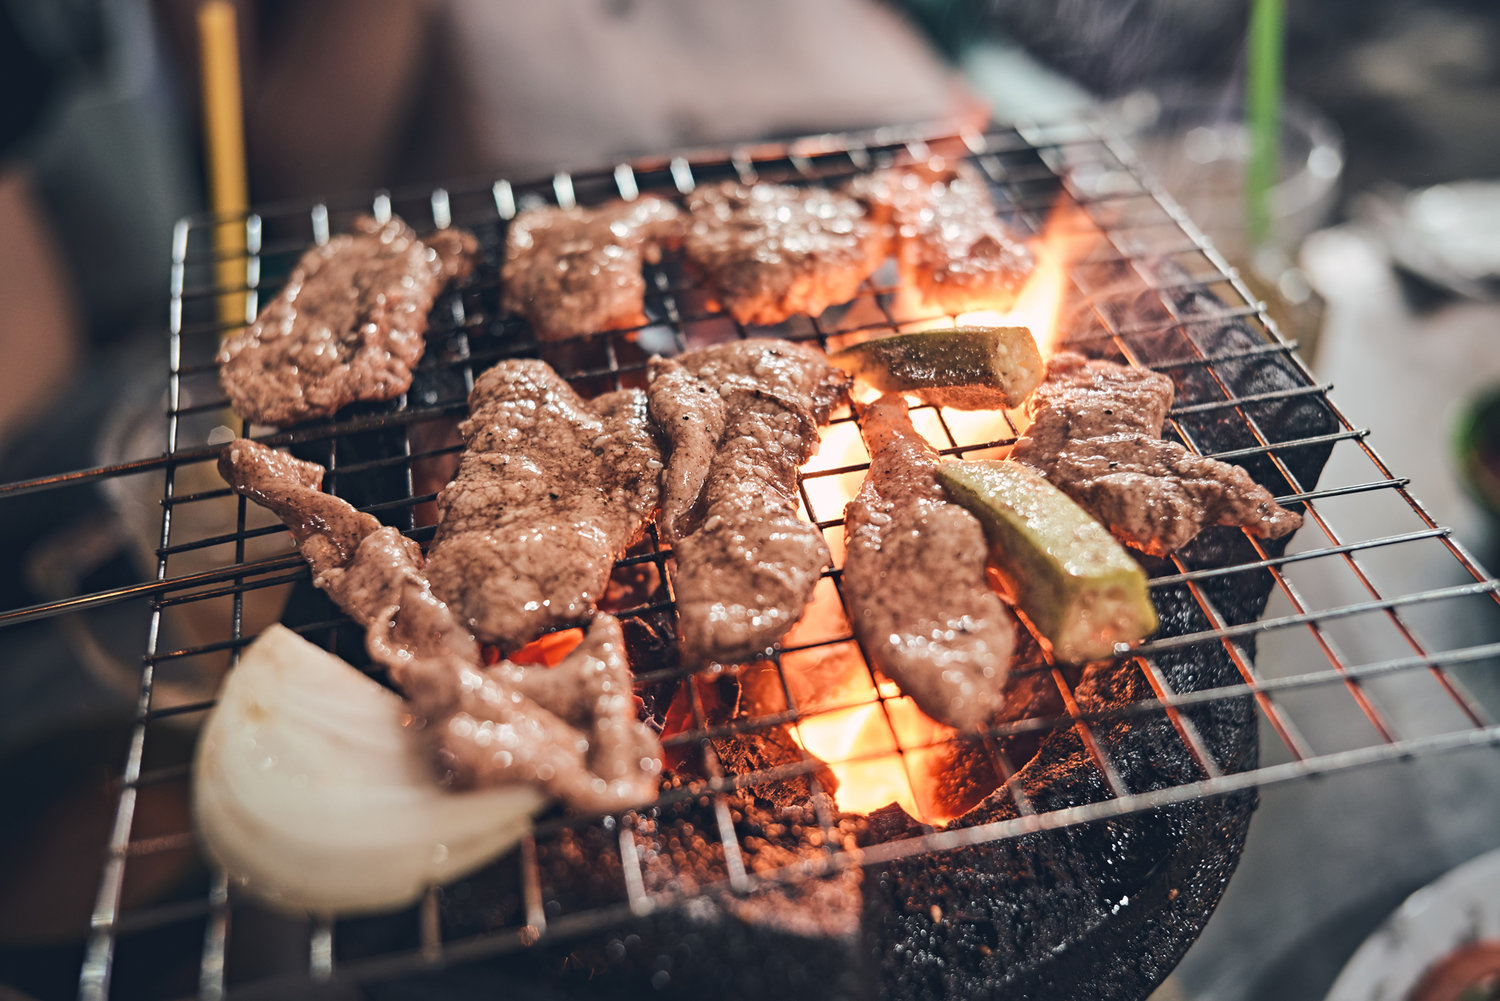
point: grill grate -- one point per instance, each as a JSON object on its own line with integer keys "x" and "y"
{"x": 1152, "y": 293}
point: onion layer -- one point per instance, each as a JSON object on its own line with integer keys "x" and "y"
{"x": 311, "y": 792}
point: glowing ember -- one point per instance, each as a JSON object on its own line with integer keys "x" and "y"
{"x": 548, "y": 650}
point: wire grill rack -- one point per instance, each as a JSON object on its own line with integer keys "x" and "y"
{"x": 1347, "y": 646}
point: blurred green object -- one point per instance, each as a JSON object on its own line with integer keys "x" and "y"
{"x": 1263, "y": 112}
{"x": 1476, "y": 444}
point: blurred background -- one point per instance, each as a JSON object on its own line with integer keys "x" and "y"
{"x": 1384, "y": 263}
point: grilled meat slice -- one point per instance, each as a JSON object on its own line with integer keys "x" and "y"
{"x": 571, "y": 729}
{"x": 914, "y": 578}
{"x": 769, "y": 250}
{"x": 949, "y": 243}
{"x": 577, "y": 271}
{"x": 1096, "y": 434}
{"x": 550, "y": 491}
{"x": 741, "y": 417}
{"x": 349, "y": 325}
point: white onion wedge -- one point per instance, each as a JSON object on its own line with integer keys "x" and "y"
{"x": 311, "y": 794}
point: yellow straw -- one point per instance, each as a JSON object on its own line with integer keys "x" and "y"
{"x": 224, "y": 132}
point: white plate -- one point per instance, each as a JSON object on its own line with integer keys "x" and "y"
{"x": 1461, "y": 907}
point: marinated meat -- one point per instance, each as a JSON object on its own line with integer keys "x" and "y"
{"x": 571, "y": 729}
{"x": 741, "y": 417}
{"x": 349, "y": 325}
{"x": 769, "y": 250}
{"x": 577, "y": 271}
{"x": 550, "y": 491}
{"x": 914, "y": 578}
{"x": 949, "y": 243}
{"x": 1096, "y": 435}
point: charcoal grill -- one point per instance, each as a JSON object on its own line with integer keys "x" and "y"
{"x": 1118, "y": 814}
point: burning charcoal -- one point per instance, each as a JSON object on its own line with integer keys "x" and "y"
{"x": 753, "y": 752}
{"x": 891, "y": 823}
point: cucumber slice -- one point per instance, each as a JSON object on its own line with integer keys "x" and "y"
{"x": 970, "y": 368}
{"x": 1074, "y": 582}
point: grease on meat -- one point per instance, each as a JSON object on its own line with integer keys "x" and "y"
{"x": 914, "y": 578}
{"x": 741, "y": 418}
{"x": 550, "y": 491}
{"x": 771, "y": 250}
{"x": 1096, "y": 435}
{"x": 949, "y": 243}
{"x": 577, "y": 271}
{"x": 349, "y": 325}
{"x": 570, "y": 729}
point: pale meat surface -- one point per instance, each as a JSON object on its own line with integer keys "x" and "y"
{"x": 770, "y": 250}
{"x": 741, "y": 417}
{"x": 914, "y": 578}
{"x": 949, "y": 243}
{"x": 577, "y": 271}
{"x": 570, "y": 729}
{"x": 1096, "y": 435}
{"x": 349, "y": 325}
{"x": 550, "y": 491}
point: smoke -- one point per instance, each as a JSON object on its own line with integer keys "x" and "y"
{"x": 1112, "y": 46}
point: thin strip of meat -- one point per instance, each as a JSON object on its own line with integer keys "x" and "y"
{"x": 550, "y": 491}
{"x": 577, "y": 271}
{"x": 349, "y": 325}
{"x": 1096, "y": 435}
{"x": 949, "y": 243}
{"x": 571, "y": 729}
{"x": 914, "y": 578}
{"x": 770, "y": 250}
{"x": 741, "y": 417}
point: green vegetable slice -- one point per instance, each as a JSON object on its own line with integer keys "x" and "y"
{"x": 1073, "y": 581}
{"x": 969, "y": 368}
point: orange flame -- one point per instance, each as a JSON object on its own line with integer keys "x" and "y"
{"x": 1067, "y": 237}
{"x": 881, "y": 752}
{"x": 878, "y": 744}
{"x": 880, "y": 747}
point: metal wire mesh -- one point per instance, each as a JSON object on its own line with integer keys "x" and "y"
{"x": 1151, "y": 292}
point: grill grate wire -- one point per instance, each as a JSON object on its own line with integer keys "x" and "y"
{"x": 225, "y": 567}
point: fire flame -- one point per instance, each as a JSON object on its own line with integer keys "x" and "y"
{"x": 1068, "y": 235}
{"x": 884, "y": 749}
{"x": 881, "y": 752}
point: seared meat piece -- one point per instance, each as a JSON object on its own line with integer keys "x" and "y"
{"x": 349, "y": 325}
{"x": 770, "y": 250}
{"x": 1096, "y": 434}
{"x": 741, "y": 418}
{"x": 914, "y": 578}
{"x": 550, "y": 491}
{"x": 949, "y": 243}
{"x": 577, "y": 271}
{"x": 571, "y": 729}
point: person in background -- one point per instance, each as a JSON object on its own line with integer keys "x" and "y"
{"x": 350, "y": 95}
{"x": 39, "y": 325}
